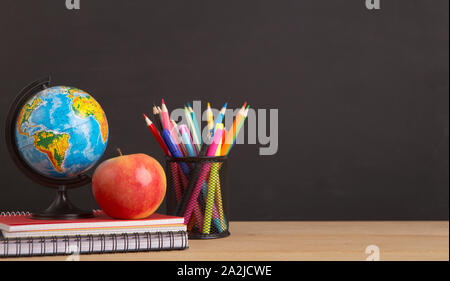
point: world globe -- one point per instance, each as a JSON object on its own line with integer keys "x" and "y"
{"x": 61, "y": 132}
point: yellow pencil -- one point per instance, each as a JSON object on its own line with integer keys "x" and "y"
{"x": 218, "y": 192}
{"x": 209, "y": 117}
{"x": 211, "y": 184}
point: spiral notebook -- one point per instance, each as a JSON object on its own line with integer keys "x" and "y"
{"x": 22, "y": 236}
{"x": 93, "y": 244}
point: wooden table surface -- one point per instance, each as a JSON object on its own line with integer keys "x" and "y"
{"x": 259, "y": 241}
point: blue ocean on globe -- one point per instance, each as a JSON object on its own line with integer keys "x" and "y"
{"x": 61, "y": 132}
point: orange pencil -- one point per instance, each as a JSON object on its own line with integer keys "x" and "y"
{"x": 229, "y": 135}
{"x": 156, "y": 135}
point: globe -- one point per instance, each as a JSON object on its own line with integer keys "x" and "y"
{"x": 61, "y": 132}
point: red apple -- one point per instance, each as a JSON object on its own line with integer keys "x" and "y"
{"x": 129, "y": 186}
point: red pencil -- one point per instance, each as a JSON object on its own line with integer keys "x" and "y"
{"x": 156, "y": 135}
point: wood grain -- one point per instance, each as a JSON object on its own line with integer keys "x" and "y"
{"x": 259, "y": 241}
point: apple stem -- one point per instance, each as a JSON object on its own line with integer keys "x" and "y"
{"x": 120, "y": 151}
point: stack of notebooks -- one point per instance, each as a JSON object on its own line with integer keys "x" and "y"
{"x": 22, "y": 236}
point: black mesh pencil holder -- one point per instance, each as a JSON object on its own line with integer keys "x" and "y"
{"x": 197, "y": 191}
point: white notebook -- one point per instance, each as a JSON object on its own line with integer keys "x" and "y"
{"x": 93, "y": 244}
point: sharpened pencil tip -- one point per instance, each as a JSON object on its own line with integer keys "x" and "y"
{"x": 225, "y": 105}
{"x": 147, "y": 120}
{"x": 163, "y": 106}
{"x": 162, "y": 101}
{"x": 189, "y": 104}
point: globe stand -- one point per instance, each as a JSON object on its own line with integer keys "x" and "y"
{"x": 61, "y": 207}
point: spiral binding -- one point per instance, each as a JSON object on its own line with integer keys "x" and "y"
{"x": 14, "y": 213}
{"x": 26, "y": 213}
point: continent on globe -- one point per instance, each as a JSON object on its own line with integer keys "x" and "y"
{"x": 53, "y": 145}
{"x": 87, "y": 106}
{"x": 71, "y": 92}
{"x": 25, "y": 114}
{"x": 61, "y": 132}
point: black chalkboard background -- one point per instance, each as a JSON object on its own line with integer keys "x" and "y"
{"x": 362, "y": 95}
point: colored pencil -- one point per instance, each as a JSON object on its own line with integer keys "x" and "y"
{"x": 187, "y": 140}
{"x": 210, "y": 117}
{"x": 219, "y": 204}
{"x": 165, "y": 116}
{"x": 213, "y": 179}
{"x": 231, "y": 134}
{"x": 177, "y": 136}
{"x": 157, "y": 117}
{"x": 198, "y": 216}
{"x": 167, "y": 124}
{"x": 190, "y": 123}
{"x": 239, "y": 128}
{"x": 156, "y": 134}
{"x": 176, "y": 181}
{"x": 230, "y": 138}
{"x": 203, "y": 173}
{"x": 212, "y": 183}
{"x": 220, "y": 117}
{"x": 194, "y": 177}
{"x": 174, "y": 150}
{"x": 194, "y": 120}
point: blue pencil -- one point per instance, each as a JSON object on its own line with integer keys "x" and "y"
{"x": 220, "y": 117}
{"x": 174, "y": 151}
